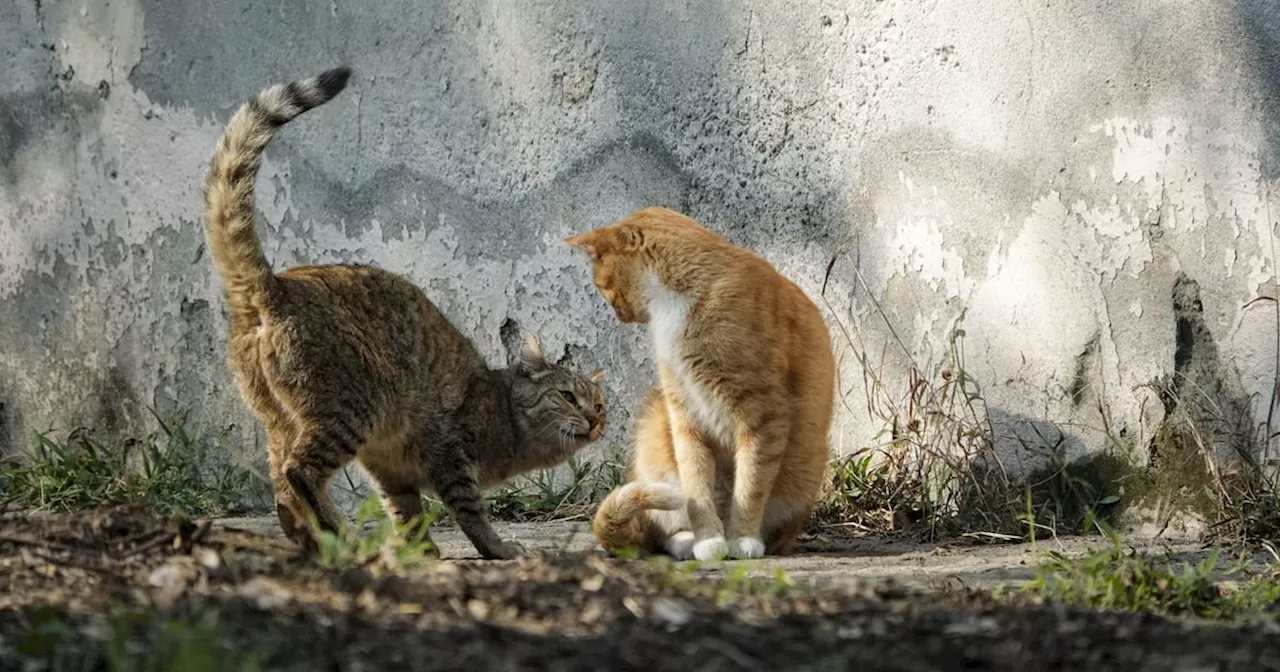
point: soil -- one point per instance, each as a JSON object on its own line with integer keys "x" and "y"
{"x": 65, "y": 579}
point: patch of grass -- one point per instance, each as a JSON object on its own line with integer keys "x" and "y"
{"x": 140, "y": 642}
{"x": 933, "y": 463}
{"x": 1250, "y": 513}
{"x": 1070, "y": 497}
{"x": 548, "y": 495}
{"x": 861, "y": 493}
{"x": 377, "y": 538}
{"x": 1113, "y": 578}
{"x": 133, "y": 642}
{"x": 933, "y": 467}
{"x": 76, "y": 473}
{"x": 173, "y": 470}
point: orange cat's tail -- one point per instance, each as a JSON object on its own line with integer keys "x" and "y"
{"x": 228, "y": 189}
{"x": 620, "y": 523}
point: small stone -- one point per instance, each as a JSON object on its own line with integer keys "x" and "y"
{"x": 164, "y": 575}
{"x": 852, "y": 631}
{"x": 969, "y": 627}
{"x": 593, "y": 584}
{"x": 633, "y": 606}
{"x": 670, "y": 612}
{"x": 367, "y": 600}
{"x": 591, "y": 613}
{"x": 171, "y": 582}
{"x": 208, "y": 558}
{"x": 265, "y": 594}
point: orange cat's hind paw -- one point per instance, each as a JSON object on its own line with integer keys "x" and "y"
{"x": 680, "y": 545}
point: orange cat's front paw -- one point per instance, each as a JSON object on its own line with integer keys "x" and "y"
{"x": 746, "y": 548}
{"x": 711, "y": 548}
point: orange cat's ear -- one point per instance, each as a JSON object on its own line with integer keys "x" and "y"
{"x": 587, "y": 242}
{"x": 629, "y": 237}
{"x": 532, "y": 361}
{"x": 596, "y": 376}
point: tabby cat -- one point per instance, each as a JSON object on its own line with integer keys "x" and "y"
{"x": 731, "y": 448}
{"x": 348, "y": 361}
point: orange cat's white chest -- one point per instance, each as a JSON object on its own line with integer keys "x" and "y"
{"x": 669, "y": 314}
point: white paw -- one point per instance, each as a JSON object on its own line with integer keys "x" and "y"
{"x": 680, "y": 545}
{"x": 712, "y": 548}
{"x": 746, "y": 548}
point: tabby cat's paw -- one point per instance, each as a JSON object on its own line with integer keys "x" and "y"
{"x": 509, "y": 550}
{"x": 711, "y": 548}
{"x": 746, "y": 548}
{"x": 680, "y": 545}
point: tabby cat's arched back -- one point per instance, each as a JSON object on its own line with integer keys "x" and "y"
{"x": 344, "y": 362}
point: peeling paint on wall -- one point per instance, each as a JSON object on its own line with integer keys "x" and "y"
{"x": 1043, "y": 182}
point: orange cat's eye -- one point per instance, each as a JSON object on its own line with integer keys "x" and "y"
{"x": 568, "y": 396}
{"x": 599, "y": 408}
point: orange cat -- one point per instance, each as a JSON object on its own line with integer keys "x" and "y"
{"x": 731, "y": 450}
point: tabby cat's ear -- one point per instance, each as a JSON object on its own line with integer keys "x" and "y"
{"x": 596, "y": 376}
{"x": 532, "y": 361}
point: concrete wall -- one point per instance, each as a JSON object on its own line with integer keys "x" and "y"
{"x": 1083, "y": 188}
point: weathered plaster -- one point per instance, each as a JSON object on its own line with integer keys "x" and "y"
{"x": 1038, "y": 176}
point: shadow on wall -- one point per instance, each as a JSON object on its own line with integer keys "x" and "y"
{"x": 1204, "y": 392}
{"x": 1261, "y": 19}
{"x": 1033, "y": 444}
{"x": 9, "y": 421}
{"x": 730, "y": 127}
{"x": 1064, "y": 489}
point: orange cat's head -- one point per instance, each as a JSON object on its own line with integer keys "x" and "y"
{"x": 617, "y": 267}
{"x": 653, "y": 242}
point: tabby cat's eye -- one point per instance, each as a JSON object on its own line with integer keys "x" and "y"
{"x": 568, "y": 396}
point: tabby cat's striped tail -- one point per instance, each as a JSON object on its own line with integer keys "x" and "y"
{"x": 228, "y": 188}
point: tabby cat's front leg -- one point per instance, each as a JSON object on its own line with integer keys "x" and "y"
{"x": 459, "y": 490}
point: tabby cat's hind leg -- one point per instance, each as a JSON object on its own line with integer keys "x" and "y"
{"x": 396, "y": 481}
{"x": 316, "y": 456}
{"x": 291, "y": 513}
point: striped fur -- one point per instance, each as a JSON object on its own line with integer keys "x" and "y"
{"x": 228, "y": 189}
{"x": 346, "y": 362}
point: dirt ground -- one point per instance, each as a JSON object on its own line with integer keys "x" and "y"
{"x": 570, "y": 609}
{"x": 827, "y": 560}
